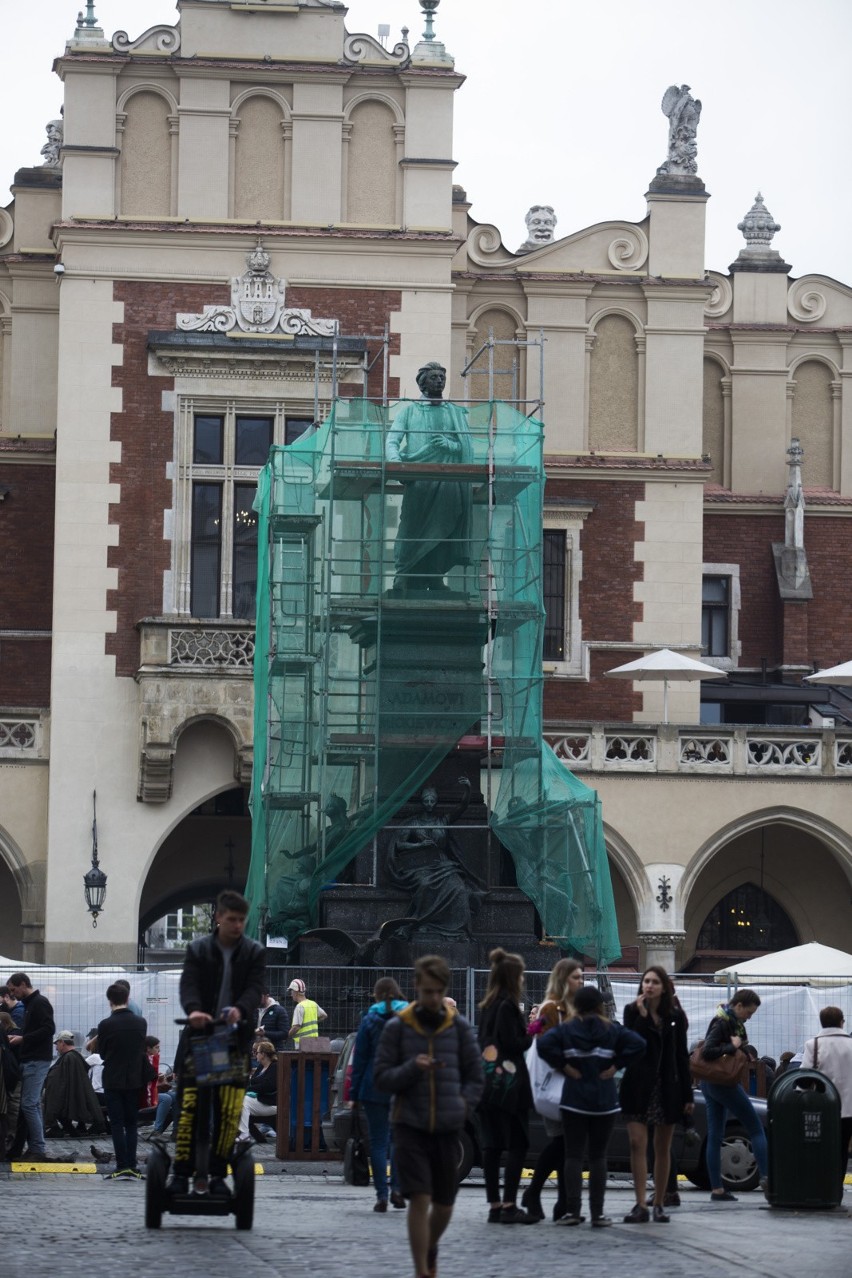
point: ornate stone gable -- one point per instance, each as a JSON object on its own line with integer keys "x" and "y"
{"x": 257, "y": 306}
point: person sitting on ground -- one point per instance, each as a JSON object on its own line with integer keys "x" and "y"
{"x": 71, "y": 1107}
{"x": 261, "y": 1100}
{"x": 149, "y": 1094}
{"x": 831, "y": 1053}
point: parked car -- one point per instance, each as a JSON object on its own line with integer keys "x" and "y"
{"x": 739, "y": 1165}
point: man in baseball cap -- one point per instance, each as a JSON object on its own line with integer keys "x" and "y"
{"x": 306, "y": 1014}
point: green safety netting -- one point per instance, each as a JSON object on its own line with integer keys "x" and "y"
{"x": 400, "y": 609}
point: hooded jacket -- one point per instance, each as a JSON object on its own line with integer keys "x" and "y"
{"x": 591, "y": 1045}
{"x": 370, "y": 1030}
{"x": 431, "y": 1100}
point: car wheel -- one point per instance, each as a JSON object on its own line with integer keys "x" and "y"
{"x": 466, "y": 1154}
{"x": 739, "y": 1165}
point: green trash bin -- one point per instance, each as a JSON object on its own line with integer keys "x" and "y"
{"x": 804, "y": 1141}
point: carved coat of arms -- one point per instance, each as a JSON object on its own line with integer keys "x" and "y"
{"x": 257, "y": 306}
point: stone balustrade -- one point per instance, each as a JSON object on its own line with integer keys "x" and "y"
{"x": 22, "y": 736}
{"x": 705, "y": 751}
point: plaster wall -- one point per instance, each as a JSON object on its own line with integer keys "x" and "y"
{"x": 760, "y": 297}
{"x": 670, "y": 588}
{"x": 203, "y": 154}
{"x": 32, "y": 372}
{"x": 676, "y": 236}
{"x": 209, "y": 29}
{"x": 88, "y": 178}
{"x": 758, "y": 457}
{"x": 423, "y": 325}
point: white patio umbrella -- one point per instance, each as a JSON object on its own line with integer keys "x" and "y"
{"x": 840, "y": 675}
{"x": 665, "y": 666}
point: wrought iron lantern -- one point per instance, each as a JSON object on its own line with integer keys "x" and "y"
{"x": 94, "y": 880}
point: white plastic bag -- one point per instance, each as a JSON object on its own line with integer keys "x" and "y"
{"x": 546, "y": 1083}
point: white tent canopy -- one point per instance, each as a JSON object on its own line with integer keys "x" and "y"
{"x": 810, "y": 964}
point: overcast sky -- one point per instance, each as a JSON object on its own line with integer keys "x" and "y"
{"x": 562, "y": 106}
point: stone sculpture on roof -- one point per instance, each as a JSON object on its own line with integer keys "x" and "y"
{"x": 683, "y": 112}
{"x": 52, "y": 146}
{"x": 541, "y": 225}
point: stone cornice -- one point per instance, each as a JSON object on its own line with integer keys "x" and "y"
{"x": 607, "y": 467}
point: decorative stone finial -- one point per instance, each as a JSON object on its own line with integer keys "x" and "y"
{"x": 758, "y": 226}
{"x": 428, "y": 49}
{"x": 88, "y": 32}
{"x": 541, "y": 225}
{"x": 683, "y": 112}
{"x": 791, "y": 560}
{"x": 428, "y": 8}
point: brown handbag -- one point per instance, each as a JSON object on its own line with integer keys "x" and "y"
{"x": 725, "y": 1071}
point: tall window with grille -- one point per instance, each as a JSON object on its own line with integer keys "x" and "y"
{"x": 228, "y": 450}
{"x": 716, "y": 616}
{"x": 554, "y": 577}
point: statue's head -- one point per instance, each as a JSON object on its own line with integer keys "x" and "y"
{"x": 429, "y": 798}
{"x": 541, "y": 224}
{"x": 432, "y": 378}
{"x": 335, "y": 807}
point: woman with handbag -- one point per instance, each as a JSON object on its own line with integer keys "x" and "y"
{"x": 557, "y": 1006}
{"x": 388, "y": 1001}
{"x": 504, "y": 1109}
{"x": 721, "y": 1064}
{"x": 656, "y": 1089}
{"x": 588, "y": 1050}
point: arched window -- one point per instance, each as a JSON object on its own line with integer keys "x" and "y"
{"x": 747, "y": 918}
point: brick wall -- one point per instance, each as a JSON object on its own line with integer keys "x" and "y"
{"x": 26, "y": 581}
{"x": 607, "y": 607}
{"x": 146, "y": 433}
{"x": 360, "y": 311}
{"x": 747, "y": 540}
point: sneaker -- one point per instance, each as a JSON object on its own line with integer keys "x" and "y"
{"x": 178, "y": 1184}
{"x": 725, "y": 1197}
{"x": 381, "y": 1204}
{"x": 532, "y": 1205}
{"x": 495, "y": 1215}
{"x": 397, "y": 1200}
{"x": 601, "y": 1222}
{"x": 219, "y": 1187}
{"x": 570, "y": 1220}
{"x": 130, "y": 1173}
{"x": 116, "y": 1175}
{"x": 638, "y": 1215}
{"x": 515, "y": 1216}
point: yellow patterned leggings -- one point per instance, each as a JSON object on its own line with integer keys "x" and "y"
{"x": 226, "y": 1104}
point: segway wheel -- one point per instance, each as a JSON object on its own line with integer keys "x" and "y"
{"x": 244, "y": 1191}
{"x": 155, "y": 1187}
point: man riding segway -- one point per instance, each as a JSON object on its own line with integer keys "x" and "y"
{"x": 223, "y": 978}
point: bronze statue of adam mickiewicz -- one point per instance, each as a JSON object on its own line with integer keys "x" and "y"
{"x": 436, "y": 522}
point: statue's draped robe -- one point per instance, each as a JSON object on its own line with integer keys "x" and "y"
{"x": 436, "y": 520}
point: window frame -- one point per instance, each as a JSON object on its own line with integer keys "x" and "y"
{"x": 569, "y": 519}
{"x": 732, "y": 572}
{"x": 178, "y": 592}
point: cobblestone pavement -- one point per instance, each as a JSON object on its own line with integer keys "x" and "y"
{"x": 310, "y": 1223}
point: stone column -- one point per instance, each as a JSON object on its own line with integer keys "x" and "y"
{"x": 661, "y": 948}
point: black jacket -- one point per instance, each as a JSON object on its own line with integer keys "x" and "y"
{"x": 433, "y": 1100}
{"x": 121, "y": 1045}
{"x": 720, "y": 1031}
{"x": 38, "y": 1030}
{"x": 69, "y": 1096}
{"x": 274, "y": 1024}
{"x": 202, "y": 977}
{"x": 502, "y": 1024}
{"x": 264, "y": 1084}
{"x": 666, "y": 1057}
